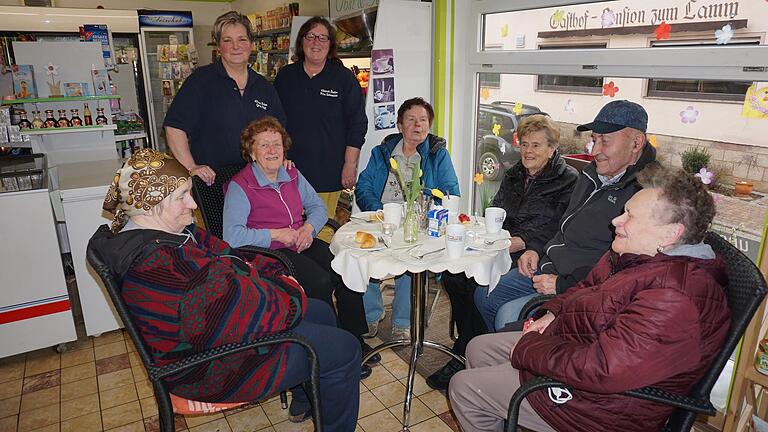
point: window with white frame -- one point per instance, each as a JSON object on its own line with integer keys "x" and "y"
{"x": 568, "y": 83}
{"x": 717, "y": 90}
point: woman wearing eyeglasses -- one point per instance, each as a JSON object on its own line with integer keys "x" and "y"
{"x": 263, "y": 206}
{"x": 326, "y": 112}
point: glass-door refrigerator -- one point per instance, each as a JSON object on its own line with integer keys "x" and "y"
{"x": 169, "y": 56}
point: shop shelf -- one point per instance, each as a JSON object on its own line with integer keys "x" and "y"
{"x": 52, "y": 131}
{"x": 60, "y": 99}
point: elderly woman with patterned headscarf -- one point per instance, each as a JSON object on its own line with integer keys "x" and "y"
{"x": 189, "y": 291}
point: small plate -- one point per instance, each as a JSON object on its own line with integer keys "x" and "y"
{"x": 348, "y": 241}
{"x": 364, "y": 217}
{"x": 378, "y": 70}
{"x": 480, "y": 245}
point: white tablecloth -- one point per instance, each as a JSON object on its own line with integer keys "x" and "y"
{"x": 357, "y": 266}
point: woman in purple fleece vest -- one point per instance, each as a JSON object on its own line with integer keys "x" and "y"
{"x": 263, "y": 206}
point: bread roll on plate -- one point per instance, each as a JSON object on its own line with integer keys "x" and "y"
{"x": 365, "y": 240}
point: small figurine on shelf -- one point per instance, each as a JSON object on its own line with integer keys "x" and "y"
{"x": 63, "y": 121}
{"x": 50, "y": 122}
{"x": 87, "y": 119}
{"x": 76, "y": 121}
{"x": 101, "y": 119}
{"x": 54, "y": 87}
{"x": 37, "y": 122}
{"x": 23, "y": 122}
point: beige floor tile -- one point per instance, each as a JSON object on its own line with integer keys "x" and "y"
{"x": 358, "y": 428}
{"x": 12, "y": 368}
{"x": 135, "y": 359}
{"x": 50, "y": 428}
{"x": 363, "y": 388}
{"x": 219, "y": 425}
{"x": 398, "y": 368}
{"x": 78, "y": 389}
{"x": 9, "y": 423}
{"x": 108, "y": 338}
{"x": 41, "y": 417}
{"x": 40, "y": 398}
{"x": 77, "y": 373}
{"x": 144, "y": 389}
{"x": 369, "y": 405}
{"x": 115, "y": 379}
{"x": 379, "y": 377}
{"x": 121, "y": 415}
{"x": 40, "y": 361}
{"x": 435, "y": 424}
{"x": 74, "y": 358}
{"x": 419, "y": 412}
{"x": 305, "y": 426}
{"x": 10, "y": 388}
{"x": 109, "y": 350}
{"x": 10, "y": 406}
{"x": 436, "y": 401}
{"x": 267, "y": 429}
{"x": 419, "y": 385}
{"x": 196, "y": 420}
{"x": 248, "y": 420}
{"x": 137, "y": 426}
{"x": 129, "y": 345}
{"x": 274, "y": 412}
{"x": 382, "y": 421}
{"x": 388, "y": 356}
{"x": 118, "y": 396}
{"x": 86, "y": 343}
{"x": 139, "y": 373}
{"x": 87, "y": 423}
{"x": 390, "y": 394}
{"x": 148, "y": 407}
{"x": 80, "y": 406}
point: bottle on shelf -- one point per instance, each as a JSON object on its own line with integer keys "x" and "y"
{"x": 87, "y": 119}
{"x": 101, "y": 119}
{"x": 76, "y": 121}
{"x": 50, "y": 122}
{"x": 63, "y": 121}
{"x": 23, "y": 122}
{"x": 37, "y": 122}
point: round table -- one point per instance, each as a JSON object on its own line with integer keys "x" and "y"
{"x": 356, "y": 266}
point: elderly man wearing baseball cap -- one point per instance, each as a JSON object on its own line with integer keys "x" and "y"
{"x": 605, "y": 185}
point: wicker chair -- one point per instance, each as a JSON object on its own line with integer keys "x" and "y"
{"x": 745, "y": 291}
{"x": 157, "y": 374}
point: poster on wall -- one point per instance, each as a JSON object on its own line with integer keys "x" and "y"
{"x": 100, "y": 33}
{"x": 383, "y": 90}
{"x": 382, "y": 62}
{"x": 756, "y": 102}
{"x": 385, "y": 116}
{"x": 355, "y": 22}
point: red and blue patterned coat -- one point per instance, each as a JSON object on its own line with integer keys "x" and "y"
{"x": 191, "y": 294}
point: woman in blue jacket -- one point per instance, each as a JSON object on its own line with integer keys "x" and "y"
{"x": 413, "y": 147}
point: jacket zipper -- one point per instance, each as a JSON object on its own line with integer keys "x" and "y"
{"x": 562, "y": 226}
{"x": 280, "y": 195}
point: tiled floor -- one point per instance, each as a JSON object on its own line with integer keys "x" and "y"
{"x": 100, "y": 384}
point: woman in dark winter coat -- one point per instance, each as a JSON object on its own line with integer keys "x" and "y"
{"x": 652, "y": 312}
{"x": 534, "y": 192}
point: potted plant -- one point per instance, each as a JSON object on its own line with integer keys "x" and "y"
{"x": 744, "y": 187}
{"x": 694, "y": 159}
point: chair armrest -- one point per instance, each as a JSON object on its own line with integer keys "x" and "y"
{"x": 156, "y": 373}
{"x": 676, "y": 400}
{"x": 538, "y": 383}
{"x": 533, "y": 304}
{"x": 332, "y": 224}
{"x": 270, "y": 253}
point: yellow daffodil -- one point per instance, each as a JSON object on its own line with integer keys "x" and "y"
{"x": 505, "y": 30}
{"x": 652, "y": 140}
{"x": 496, "y": 129}
{"x": 437, "y": 193}
{"x": 478, "y": 179}
{"x": 393, "y": 163}
{"x": 518, "y": 108}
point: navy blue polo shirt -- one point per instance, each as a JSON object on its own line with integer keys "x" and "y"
{"x": 210, "y": 109}
{"x": 326, "y": 114}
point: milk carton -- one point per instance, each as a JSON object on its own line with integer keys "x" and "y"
{"x": 437, "y": 219}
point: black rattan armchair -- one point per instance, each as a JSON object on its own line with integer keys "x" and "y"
{"x": 745, "y": 291}
{"x": 157, "y": 374}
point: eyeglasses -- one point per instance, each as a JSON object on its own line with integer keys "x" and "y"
{"x": 264, "y": 146}
{"x": 320, "y": 37}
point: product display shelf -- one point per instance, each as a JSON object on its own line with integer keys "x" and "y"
{"x": 52, "y": 131}
{"x": 130, "y": 136}
{"x": 273, "y": 31}
{"x": 59, "y": 99}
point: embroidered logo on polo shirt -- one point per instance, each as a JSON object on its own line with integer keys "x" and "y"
{"x": 612, "y": 199}
{"x": 260, "y": 104}
{"x": 329, "y": 93}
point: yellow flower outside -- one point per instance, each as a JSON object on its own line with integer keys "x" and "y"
{"x": 478, "y": 179}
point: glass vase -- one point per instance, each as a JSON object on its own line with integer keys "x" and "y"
{"x": 410, "y": 224}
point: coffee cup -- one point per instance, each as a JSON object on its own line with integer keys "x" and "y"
{"x": 455, "y": 236}
{"x": 451, "y": 203}
{"x": 391, "y": 213}
{"x": 494, "y": 219}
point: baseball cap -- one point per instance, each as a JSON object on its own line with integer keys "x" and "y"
{"x": 617, "y": 115}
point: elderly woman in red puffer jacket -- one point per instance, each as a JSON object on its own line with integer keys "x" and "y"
{"x": 652, "y": 312}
